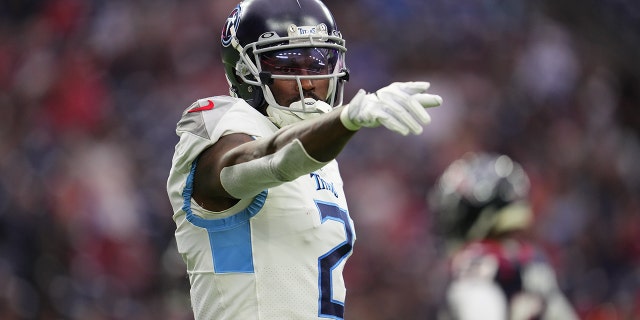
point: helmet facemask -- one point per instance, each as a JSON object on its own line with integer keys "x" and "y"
{"x": 307, "y": 53}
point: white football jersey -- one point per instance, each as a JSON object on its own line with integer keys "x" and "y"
{"x": 279, "y": 255}
{"x": 508, "y": 279}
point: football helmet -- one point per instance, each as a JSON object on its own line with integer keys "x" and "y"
{"x": 480, "y": 194}
{"x": 263, "y": 40}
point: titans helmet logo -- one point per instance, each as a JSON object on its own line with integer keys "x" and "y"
{"x": 230, "y": 27}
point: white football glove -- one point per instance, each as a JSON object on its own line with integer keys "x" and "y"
{"x": 400, "y": 107}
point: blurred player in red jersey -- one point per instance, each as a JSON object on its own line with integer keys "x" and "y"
{"x": 481, "y": 209}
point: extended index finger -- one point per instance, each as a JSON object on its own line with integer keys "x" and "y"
{"x": 413, "y": 87}
{"x": 428, "y": 100}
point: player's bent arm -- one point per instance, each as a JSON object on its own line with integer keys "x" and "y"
{"x": 237, "y": 167}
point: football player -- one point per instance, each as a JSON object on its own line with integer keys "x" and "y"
{"x": 480, "y": 205}
{"x": 262, "y": 222}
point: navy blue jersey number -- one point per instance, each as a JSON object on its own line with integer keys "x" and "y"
{"x": 330, "y": 308}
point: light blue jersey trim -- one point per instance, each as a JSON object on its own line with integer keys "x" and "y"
{"x": 230, "y": 238}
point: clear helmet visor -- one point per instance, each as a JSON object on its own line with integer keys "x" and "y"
{"x": 303, "y": 64}
{"x": 310, "y": 61}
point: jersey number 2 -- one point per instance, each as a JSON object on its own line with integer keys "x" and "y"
{"x": 329, "y": 308}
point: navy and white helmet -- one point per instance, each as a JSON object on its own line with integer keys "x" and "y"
{"x": 480, "y": 194}
{"x": 261, "y": 34}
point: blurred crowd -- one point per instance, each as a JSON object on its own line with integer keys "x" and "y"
{"x": 90, "y": 92}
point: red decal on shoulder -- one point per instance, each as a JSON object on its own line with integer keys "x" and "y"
{"x": 209, "y": 106}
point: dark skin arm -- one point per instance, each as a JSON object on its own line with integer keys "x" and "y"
{"x": 323, "y": 138}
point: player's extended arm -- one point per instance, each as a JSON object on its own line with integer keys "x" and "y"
{"x": 244, "y": 168}
{"x": 239, "y": 167}
{"x": 291, "y": 152}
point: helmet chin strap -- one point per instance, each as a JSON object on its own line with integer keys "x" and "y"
{"x": 283, "y": 117}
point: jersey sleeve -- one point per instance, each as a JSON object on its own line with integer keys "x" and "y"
{"x": 201, "y": 125}
{"x": 208, "y": 119}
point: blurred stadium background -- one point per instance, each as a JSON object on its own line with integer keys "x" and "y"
{"x": 90, "y": 92}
